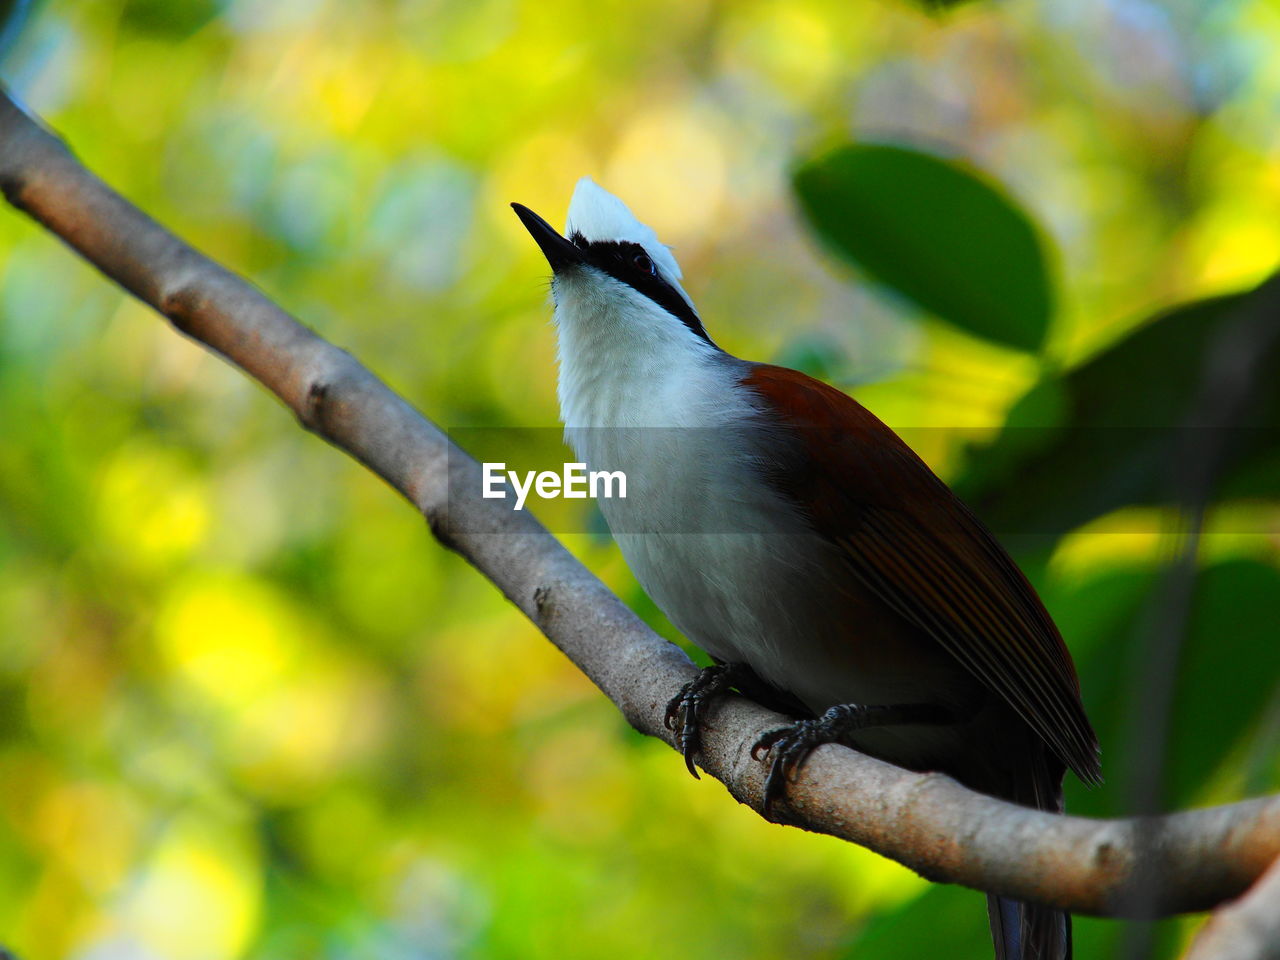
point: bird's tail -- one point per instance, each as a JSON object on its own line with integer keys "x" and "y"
{"x": 1028, "y": 931}
{"x": 1031, "y": 931}
{"x": 1004, "y": 757}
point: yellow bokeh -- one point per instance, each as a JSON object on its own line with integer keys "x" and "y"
{"x": 309, "y": 729}
{"x": 1146, "y": 537}
{"x": 539, "y": 171}
{"x": 198, "y": 896}
{"x": 229, "y": 636}
{"x": 152, "y": 506}
{"x": 1235, "y": 248}
{"x": 672, "y": 157}
{"x": 791, "y": 45}
{"x": 91, "y": 829}
{"x": 347, "y": 81}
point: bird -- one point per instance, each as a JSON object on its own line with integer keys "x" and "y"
{"x": 824, "y": 568}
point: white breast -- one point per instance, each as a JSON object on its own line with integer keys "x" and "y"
{"x": 707, "y": 541}
{"x": 730, "y": 562}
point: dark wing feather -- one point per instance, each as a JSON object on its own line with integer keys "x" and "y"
{"x": 913, "y": 543}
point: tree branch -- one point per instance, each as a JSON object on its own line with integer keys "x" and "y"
{"x": 926, "y": 821}
{"x": 1246, "y": 929}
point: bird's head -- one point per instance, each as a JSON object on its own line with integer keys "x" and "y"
{"x": 612, "y": 275}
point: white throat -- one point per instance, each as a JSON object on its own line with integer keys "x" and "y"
{"x": 626, "y": 362}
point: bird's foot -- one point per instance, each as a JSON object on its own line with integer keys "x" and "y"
{"x": 789, "y": 747}
{"x": 685, "y": 709}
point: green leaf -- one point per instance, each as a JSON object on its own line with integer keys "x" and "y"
{"x": 944, "y": 921}
{"x": 1105, "y": 435}
{"x": 937, "y": 233}
{"x": 169, "y": 18}
{"x": 951, "y": 922}
{"x": 1226, "y": 676}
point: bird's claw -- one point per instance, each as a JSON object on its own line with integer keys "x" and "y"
{"x": 766, "y": 742}
{"x": 682, "y": 717}
{"x": 684, "y": 711}
{"x": 787, "y": 749}
{"x": 675, "y": 707}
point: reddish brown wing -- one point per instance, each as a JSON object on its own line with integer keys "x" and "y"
{"x": 911, "y": 541}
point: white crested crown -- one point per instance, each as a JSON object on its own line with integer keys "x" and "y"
{"x": 598, "y": 215}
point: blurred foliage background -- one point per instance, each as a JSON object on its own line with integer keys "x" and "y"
{"x": 249, "y": 708}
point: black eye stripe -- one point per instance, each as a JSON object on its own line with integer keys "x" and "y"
{"x": 618, "y": 260}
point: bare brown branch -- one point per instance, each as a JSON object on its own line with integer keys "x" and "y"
{"x": 928, "y": 822}
{"x": 1245, "y": 929}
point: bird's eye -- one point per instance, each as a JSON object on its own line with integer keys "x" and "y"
{"x": 644, "y": 264}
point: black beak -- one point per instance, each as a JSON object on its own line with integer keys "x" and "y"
{"x": 558, "y": 251}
